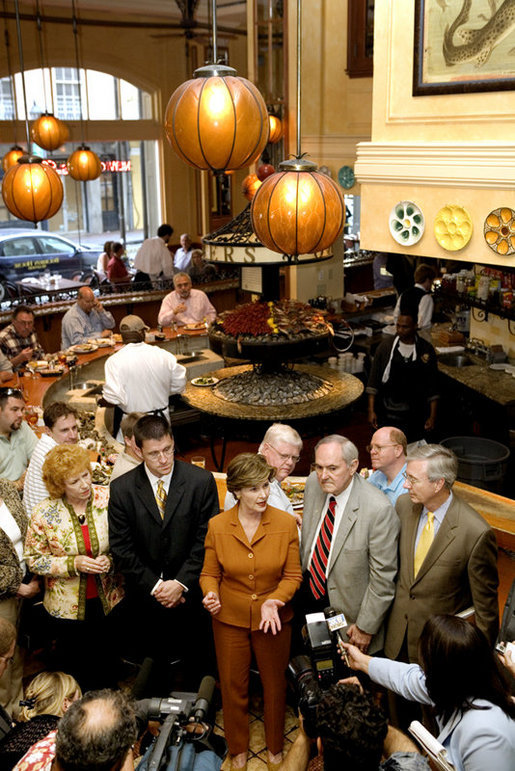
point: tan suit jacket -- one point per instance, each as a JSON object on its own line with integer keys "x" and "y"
{"x": 460, "y": 569}
{"x": 245, "y": 574}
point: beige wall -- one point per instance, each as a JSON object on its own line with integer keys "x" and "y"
{"x": 433, "y": 150}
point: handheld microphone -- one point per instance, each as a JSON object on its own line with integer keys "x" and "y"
{"x": 203, "y": 702}
{"x": 336, "y": 623}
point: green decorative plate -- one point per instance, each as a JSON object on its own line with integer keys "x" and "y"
{"x": 346, "y": 177}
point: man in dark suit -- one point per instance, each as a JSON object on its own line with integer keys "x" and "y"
{"x": 447, "y": 555}
{"x": 158, "y": 515}
{"x": 355, "y": 570}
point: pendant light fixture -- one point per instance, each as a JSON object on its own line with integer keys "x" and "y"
{"x": 276, "y": 128}
{"x": 217, "y": 121}
{"x": 83, "y": 164}
{"x": 47, "y": 131}
{"x": 12, "y": 155}
{"x": 298, "y": 210}
{"x": 31, "y": 189}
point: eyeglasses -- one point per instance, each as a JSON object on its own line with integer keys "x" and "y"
{"x": 6, "y": 392}
{"x": 156, "y": 454}
{"x": 284, "y": 456}
{"x": 412, "y": 480}
{"x": 379, "y": 447}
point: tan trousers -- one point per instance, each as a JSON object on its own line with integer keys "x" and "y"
{"x": 234, "y": 648}
{"x": 11, "y": 685}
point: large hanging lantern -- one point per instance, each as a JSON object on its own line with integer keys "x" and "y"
{"x": 32, "y": 190}
{"x": 217, "y": 121}
{"x": 276, "y": 129}
{"x": 83, "y": 164}
{"x": 298, "y": 210}
{"x": 49, "y": 132}
{"x": 11, "y": 157}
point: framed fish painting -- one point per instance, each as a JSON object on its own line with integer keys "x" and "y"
{"x": 462, "y": 46}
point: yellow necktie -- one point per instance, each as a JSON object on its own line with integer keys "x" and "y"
{"x": 161, "y": 498}
{"x": 425, "y": 541}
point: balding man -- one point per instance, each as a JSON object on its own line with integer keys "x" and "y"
{"x": 185, "y": 305}
{"x": 281, "y": 448}
{"x": 348, "y": 544}
{"x": 387, "y": 450}
{"x": 85, "y": 320}
{"x": 182, "y": 257}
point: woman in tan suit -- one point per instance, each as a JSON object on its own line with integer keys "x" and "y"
{"x": 251, "y": 572}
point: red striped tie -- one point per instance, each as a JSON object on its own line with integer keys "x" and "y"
{"x": 318, "y": 566}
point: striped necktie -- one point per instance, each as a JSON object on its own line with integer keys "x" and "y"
{"x": 320, "y": 558}
{"x": 161, "y": 498}
{"x": 424, "y": 542}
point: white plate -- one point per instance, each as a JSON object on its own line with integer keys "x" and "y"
{"x": 81, "y": 348}
{"x": 104, "y": 342}
{"x": 197, "y": 381}
{"x": 406, "y": 223}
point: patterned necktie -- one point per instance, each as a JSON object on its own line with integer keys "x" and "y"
{"x": 424, "y": 542}
{"x": 161, "y": 498}
{"x": 320, "y": 558}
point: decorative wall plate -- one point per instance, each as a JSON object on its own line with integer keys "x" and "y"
{"x": 453, "y": 227}
{"x": 407, "y": 223}
{"x": 499, "y": 231}
{"x": 346, "y": 177}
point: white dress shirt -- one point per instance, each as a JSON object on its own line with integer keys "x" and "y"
{"x": 197, "y": 305}
{"x": 425, "y": 310}
{"x": 153, "y": 258}
{"x": 182, "y": 258}
{"x": 341, "y": 502}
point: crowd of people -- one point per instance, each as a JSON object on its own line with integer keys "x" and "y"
{"x": 156, "y": 567}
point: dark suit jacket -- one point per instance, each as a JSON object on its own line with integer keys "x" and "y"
{"x": 145, "y": 547}
{"x": 460, "y": 569}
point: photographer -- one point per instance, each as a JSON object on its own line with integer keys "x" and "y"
{"x": 353, "y": 733}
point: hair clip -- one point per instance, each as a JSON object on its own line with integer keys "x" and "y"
{"x": 29, "y": 703}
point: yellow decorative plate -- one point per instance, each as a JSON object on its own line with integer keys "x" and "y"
{"x": 499, "y": 231}
{"x": 453, "y": 227}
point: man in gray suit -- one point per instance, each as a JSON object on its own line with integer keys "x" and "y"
{"x": 348, "y": 544}
{"x": 458, "y": 566}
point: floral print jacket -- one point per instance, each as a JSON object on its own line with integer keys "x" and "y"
{"x": 11, "y": 573}
{"x": 54, "y": 539}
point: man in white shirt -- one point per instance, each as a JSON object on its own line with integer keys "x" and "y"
{"x": 348, "y": 544}
{"x": 153, "y": 258}
{"x": 141, "y": 377}
{"x": 281, "y": 448}
{"x": 185, "y": 305}
{"x": 388, "y": 455}
{"x": 60, "y": 428}
{"x": 182, "y": 257}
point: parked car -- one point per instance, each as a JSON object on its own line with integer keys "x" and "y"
{"x": 26, "y": 253}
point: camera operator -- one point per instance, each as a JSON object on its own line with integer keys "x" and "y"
{"x": 353, "y": 733}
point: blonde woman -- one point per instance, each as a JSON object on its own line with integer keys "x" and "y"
{"x": 47, "y": 698}
{"x": 67, "y": 543}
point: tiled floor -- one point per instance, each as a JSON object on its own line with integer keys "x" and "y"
{"x": 257, "y": 754}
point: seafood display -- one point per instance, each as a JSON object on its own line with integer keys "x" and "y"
{"x": 271, "y": 389}
{"x": 286, "y": 318}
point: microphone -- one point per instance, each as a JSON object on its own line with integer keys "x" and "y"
{"x": 141, "y": 681}
{"x": 203, "y": 702}
{"x": 336, "y": 622}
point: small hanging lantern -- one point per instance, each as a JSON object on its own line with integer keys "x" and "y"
{"x": 264, "y": 171}
{"x": 11, "y": 157}
{"x": 249, "y": 186}
{"x": 83, "y": 164}
{"x": 49, "y": 132}
{"x": 32, "y": 189}
{"x": 298, "y": 210}
{"x": 276, "y": 129}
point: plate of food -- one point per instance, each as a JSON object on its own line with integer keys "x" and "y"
{"x": 204, "y": 382}
{"x": 194, "y": 327}
{"x": 295, "y": 492}
{"x": 84, "y": 348}
{"x": 51, "y": 371}
{"x": 104, "y": 342}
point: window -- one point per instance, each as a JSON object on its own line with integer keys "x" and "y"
{"x": 6, "y": 100}
{"x": 49, "y": 245}
{"x": 19, "y": 246}
{"x": 67, "y": 92}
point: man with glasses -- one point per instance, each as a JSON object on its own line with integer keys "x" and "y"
{"x": 158, "y": 515}
{"x": 17, "y": 439}
{"x": 388, "y": 456}
{"x": 18, "y": 340}
{"x": 281, "y": 448}
{"x": 348, "y": 544}
{"x": 447, "y": 555}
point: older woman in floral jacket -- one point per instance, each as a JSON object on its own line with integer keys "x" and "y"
{"x": 67, "y": 543}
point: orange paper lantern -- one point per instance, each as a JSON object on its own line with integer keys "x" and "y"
{"x": 49, "y": 132}
{"x": 276, "y": 129}
{"x": 32, "y": 190}
{"x": 11, "y": 157}
{"x": 298, "y": 210}
{"x": 217, "y": 121}
{"x": 249, "y": 186}
{"x": 83, "y": 164}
